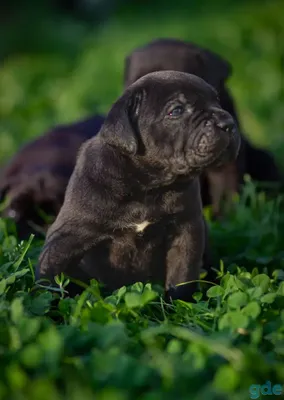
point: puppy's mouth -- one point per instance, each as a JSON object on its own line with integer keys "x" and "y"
{"x": 215, "y": 147}
{"x": 221, "y": 155}
{"x": 230, "y": 150}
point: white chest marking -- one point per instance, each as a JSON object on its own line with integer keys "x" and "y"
{"x": 140, "y": 227}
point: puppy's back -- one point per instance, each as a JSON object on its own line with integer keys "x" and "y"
{"x": 38, "y": 174}
{"x": 58, "y": 145}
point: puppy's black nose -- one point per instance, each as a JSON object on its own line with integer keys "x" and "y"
{"x": 225, "y": 123}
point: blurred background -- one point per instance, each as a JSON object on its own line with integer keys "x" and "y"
{"x": 63, "y": 60}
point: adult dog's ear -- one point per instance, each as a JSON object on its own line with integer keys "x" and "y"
{"x": 127, "y": 62}
{"x": 216, "y": 69}
{"x": 121, "y": 128}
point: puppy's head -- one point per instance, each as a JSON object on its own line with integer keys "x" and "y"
{"x": 176, "y": 55}
{"x": 172, "y": 120}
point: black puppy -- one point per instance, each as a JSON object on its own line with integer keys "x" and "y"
{"x": 133, "y": 206}
{"x": 176, "y": 55}
{"x": 36, "y": 178}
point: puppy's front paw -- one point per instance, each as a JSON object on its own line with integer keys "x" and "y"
{"x": 182, "y": 292}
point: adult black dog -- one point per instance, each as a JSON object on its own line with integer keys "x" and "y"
{"x": 176, "y": 55}
{"x": 132, "y": 205}
{"x": 34, "y": 181}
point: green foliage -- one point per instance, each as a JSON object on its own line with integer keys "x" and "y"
{"x": 131, "y": 344}
{"x": 39, "y": 90}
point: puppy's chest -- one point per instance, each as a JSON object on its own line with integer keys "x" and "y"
{"x": 151, "y": 213}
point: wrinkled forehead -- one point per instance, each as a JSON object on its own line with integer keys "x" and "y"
{"x": 188, "y": 89}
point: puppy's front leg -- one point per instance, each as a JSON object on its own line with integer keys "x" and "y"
{"x": 223, "y": 183}
{"x": 184, "y": 259}
{"x": 68, "y": 238}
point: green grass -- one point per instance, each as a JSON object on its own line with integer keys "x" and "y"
{"x": 132, "y": 345}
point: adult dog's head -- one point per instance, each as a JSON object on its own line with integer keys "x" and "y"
{"x": 176, "y": 55}
{"x": 172, "y": 121}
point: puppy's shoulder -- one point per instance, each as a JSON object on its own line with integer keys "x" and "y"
{"x": 95, "y": 186}
{"x": 97, "y": 157}
{"x": 89, "y": 154}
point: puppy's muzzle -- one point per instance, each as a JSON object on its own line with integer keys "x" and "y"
{"x": 225, "y": 123}
{"x": 226, "y": 130}
{"x": 217, "y": 139}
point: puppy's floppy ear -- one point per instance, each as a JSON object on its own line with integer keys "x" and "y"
{"x": 120, "y": 128}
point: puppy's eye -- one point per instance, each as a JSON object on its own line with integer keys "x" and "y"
{"x": 177, "y": 111}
